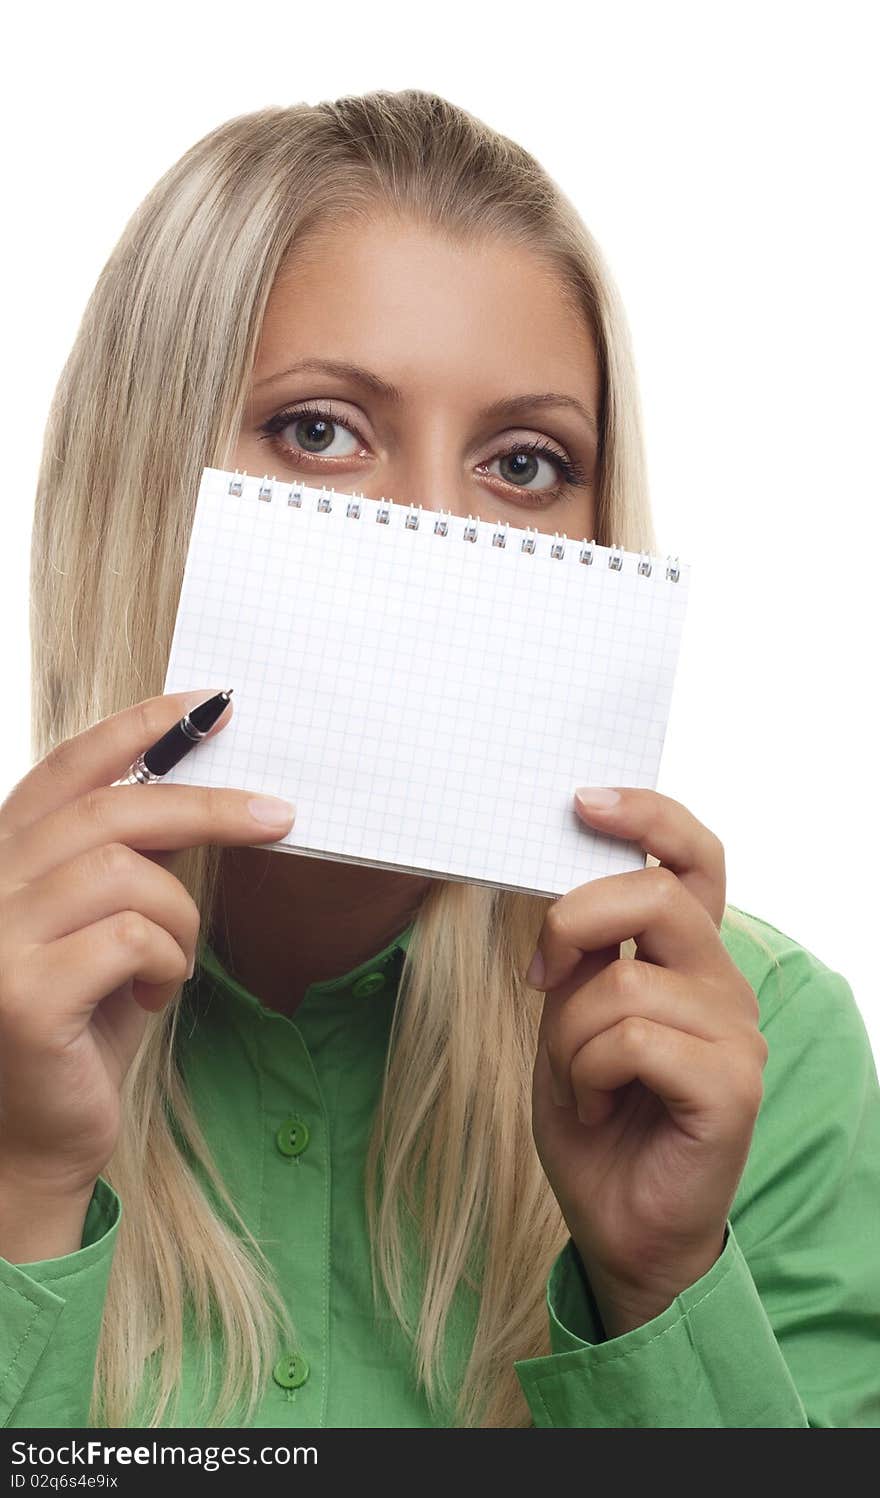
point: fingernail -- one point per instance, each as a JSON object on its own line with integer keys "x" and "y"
{"x": 535, "y": 972}
{"x": 596, "y": 798}
{"x": 191, "y": 969}
{"x": 271, "y": 810}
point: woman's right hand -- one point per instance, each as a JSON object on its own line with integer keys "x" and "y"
{"x": 95, "y": 933}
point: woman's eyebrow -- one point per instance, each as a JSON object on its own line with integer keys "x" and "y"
{"x": 513, "y": 403}
{"x": 507, "y": 406}
{"x": 344, "y": 370}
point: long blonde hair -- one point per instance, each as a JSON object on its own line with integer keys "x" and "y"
{"x": 153, "y": 390}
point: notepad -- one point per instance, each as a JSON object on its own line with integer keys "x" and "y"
{"x": 428, "y": 689}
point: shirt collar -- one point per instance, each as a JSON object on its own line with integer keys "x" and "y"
{"x": 374, "y": 978}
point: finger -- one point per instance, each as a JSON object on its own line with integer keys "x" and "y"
{"x": 668, "y": 831}
{"x": 98, "y": 883}
{"x": 97, "y": 756}
{"x": 144, "y": 817}
{"x": 600, "y": 1104}
{"x": 58, "y": 987}
{"x": 670, "y": 926}
{"x": 632, "y": 988}
{"x": 685, "y": 1072}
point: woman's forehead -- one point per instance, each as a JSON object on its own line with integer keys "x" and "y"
{"x": 410, "y": 303}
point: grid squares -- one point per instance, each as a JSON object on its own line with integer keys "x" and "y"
{"x": 429, "y": 703}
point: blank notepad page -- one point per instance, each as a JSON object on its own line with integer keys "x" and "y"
{"x": 428, "y": 690}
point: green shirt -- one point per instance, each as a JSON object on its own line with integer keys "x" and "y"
{"x": 783, "y": 1329}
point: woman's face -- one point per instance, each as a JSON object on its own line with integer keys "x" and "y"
{"x": 396, "y": 364}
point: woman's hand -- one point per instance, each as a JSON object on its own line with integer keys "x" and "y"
{"x": 95, "y": 934}
{"x": 648, "y": 1077}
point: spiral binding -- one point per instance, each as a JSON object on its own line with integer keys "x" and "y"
{"x": 442, "y": 523}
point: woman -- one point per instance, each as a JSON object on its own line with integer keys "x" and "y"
{"x": 366, "y": 1169}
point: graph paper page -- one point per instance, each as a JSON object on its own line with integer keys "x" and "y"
{"x": 428, "y": 702}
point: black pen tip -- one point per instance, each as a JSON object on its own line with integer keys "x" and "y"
{"x": 206, "y": 714}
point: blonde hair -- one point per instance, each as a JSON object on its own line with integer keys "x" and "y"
{"x": 153, "y": 390}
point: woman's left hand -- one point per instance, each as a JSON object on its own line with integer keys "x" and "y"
{"x": 648, "y": 1077}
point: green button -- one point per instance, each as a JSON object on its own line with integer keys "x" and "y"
{"x": 293, "y": 1136}
{"x": 291, "y": 1371}
{"x": 369, "y": 983}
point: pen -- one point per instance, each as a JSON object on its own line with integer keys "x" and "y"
{"x": 162, "y": 756}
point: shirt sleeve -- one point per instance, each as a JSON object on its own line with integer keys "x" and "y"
{"x": 784, "y": 1328}
{"x": 50, "y": 1318}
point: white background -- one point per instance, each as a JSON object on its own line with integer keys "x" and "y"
{"x": 725, "y": 158}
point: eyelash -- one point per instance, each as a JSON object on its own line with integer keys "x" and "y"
{"x": 570, "y": 471}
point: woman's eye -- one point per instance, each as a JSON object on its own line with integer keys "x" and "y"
{"x": 321, "y": 436}
{"x": 520, "y": 466}
{"x": 313, "y": 431}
